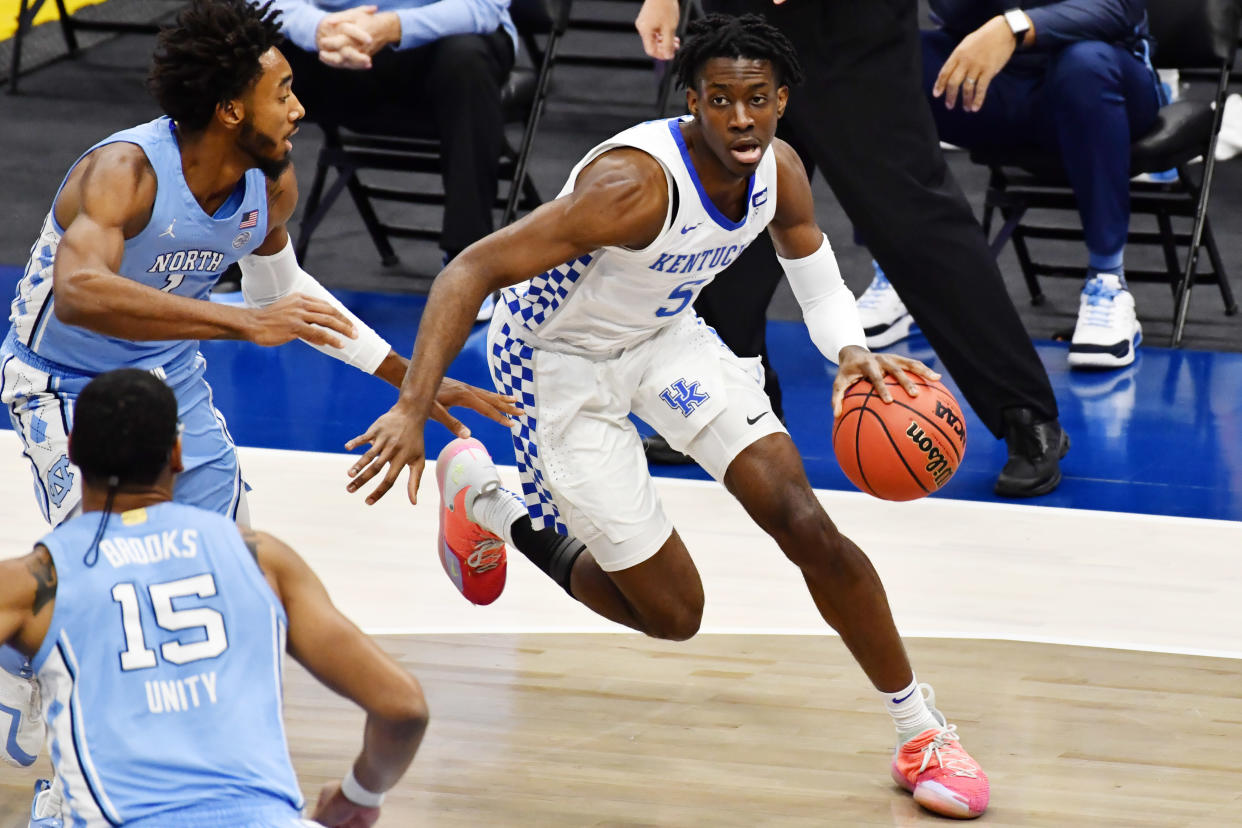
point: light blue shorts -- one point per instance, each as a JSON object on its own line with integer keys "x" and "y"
{"x": 40, "y": 397}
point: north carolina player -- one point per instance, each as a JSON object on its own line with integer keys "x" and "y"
{"x": 158, "y": 631}
{"x": 605, "y": 327}
{"x": 141, "y": 228}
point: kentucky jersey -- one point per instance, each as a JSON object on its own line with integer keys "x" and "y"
{"x": 182, "y": 250}
{"x": 161, "y": 671}
{"x": 614, "y": 297}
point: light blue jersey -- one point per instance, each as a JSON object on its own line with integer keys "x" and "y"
{"x": 182, "y": 250}
{"x": 44, "y": 363}
{"x": 161, "y": 675}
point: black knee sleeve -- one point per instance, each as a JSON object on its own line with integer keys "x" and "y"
{"x": 549, "y": 550}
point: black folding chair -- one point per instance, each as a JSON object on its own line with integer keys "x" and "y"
{"x": 1191, "y": 35}
{"x": 69, "y": 26}
{"x": 390, "y": 143}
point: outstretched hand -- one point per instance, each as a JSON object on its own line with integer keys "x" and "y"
{"x": 335, "y": 811}
{"x": 859, "y": 363}
{"x": 498, "y": 407}
{"x": 298, "y": 316}
{"x": 396, "y": 440}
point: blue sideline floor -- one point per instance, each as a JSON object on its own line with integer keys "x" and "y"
{"x": 1163, "y": 436}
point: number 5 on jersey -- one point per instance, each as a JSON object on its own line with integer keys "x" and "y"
{"x": 683, "y": 294}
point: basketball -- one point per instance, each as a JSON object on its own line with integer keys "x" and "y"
{"x": 904, "y": 450}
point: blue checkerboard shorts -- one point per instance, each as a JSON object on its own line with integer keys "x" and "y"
{"x": 579, "y": 455}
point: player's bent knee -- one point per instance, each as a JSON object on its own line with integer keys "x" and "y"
{"x": 680, "y": 624}
{"x": 798, "y": 518}
{"x": 810, "y": 539}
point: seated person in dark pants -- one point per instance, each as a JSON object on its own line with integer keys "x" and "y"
{"x": 444, "y": 61}
{"x": 1078, "y": 83}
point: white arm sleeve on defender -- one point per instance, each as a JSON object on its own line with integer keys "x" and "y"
{"x": 267, "y": 279}
{"x": 827, "y": 304}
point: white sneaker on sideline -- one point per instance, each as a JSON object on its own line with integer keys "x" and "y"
{"x": 1229, "y": 142}
{"x": 21, "y": 717}
{"x": 884, "y": 317}
{"x": 1107, "y": 331}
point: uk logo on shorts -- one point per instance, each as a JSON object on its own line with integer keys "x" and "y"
{"x": 683, "y": 397}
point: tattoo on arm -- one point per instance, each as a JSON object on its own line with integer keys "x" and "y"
{"x": 44, "y": 572}
{"x": 251, "y": 539}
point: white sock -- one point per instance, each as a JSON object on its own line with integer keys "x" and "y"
{"x": 496, "y": 511}
{"x": 911, "y": 715}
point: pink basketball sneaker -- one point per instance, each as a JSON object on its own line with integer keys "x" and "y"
{"x": 941, "y": 774}
{"x": 473, "y": 557}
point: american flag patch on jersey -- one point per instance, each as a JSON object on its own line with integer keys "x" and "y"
{"x": 249, "y": 220}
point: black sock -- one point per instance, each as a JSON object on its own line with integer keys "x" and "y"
{"x": 547, "y": 549}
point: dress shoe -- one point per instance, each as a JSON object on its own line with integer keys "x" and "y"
{"x": 1035, "y": 452}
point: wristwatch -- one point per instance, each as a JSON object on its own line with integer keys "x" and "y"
{"x": 1019, "y": 24}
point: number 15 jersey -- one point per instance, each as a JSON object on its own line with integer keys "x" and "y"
{"x": 161, "y": 669}
{"x": 614, "y": 297}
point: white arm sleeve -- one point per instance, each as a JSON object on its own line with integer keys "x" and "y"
{"x": 827, "y": 305}
{"x": 267, "y": 279}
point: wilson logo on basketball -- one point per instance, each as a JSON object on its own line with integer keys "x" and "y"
{"x": 937, "y": 464}
{"x": 951, "y": 420}
{"x": 901, "y": 450}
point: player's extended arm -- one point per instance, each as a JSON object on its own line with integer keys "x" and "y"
{"x": 272, "y": 273}
{"x": 109, "y": 197}
{"x": 348, "y": 662}
{"x": 828, "y": 306}
{"x": 621, "y": 198}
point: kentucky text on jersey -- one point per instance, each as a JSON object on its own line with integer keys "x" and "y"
{"x": 615, "y": 297}
{"x": 690, "y": 262}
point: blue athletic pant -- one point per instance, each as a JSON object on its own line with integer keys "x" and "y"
{"x": 1092, "y": 101}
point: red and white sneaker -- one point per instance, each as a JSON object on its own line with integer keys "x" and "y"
{"x": 941, "y": 774}
{"x": 473, "y": 557}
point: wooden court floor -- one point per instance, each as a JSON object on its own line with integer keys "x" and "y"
{"x": 544, "y": 715}
{"x": 777, "y": 730}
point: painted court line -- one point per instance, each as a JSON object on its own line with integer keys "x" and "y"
{"x": 951, "y": 568}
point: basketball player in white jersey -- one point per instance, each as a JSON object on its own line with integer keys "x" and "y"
{"x": 597, "y": 322}
{"x": 158, "y": 633}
